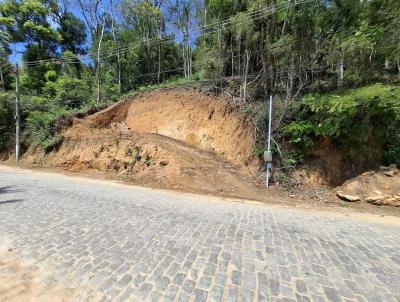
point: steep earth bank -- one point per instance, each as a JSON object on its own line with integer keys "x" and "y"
{"x": 176, "y": 139}
{"x": 190, "y": 141}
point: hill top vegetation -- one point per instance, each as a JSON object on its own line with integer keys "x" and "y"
{"x": 332, "y": 65}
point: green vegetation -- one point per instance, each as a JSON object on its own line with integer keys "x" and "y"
{"x": 362, "y": 122}
{"x": 323, "y": 61}
{"x": 6, "y": 119}
{"x": 43, "y": 130}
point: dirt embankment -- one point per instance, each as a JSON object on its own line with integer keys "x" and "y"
{"x": 201, "y": 121}
{"x": 175, "y": 139}
{"x": 378, "y": 188}
{"x": 188, "y": 141}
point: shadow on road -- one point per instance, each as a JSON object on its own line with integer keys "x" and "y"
{"x": 10, "y": 201}
{"x": 9, "y": 189}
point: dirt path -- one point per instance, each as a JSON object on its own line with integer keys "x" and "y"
{"x": 21, "y": 281}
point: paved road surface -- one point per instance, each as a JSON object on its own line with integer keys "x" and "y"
{"x": 133, "y": 244}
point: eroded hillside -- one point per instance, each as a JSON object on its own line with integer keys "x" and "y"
{"x": 177, "y": 139}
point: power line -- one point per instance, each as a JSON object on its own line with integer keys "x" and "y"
{"x": 120, "y": 50}
{"x": 172, "y": 37}
{"x": 167, "y": 39}
{"x": 204, "y": 63}
{"x": 53, "y": 60}
{"x": 75, "y": 61}
{"x": 222, "y": 60}
{"x": 288, "y": 4}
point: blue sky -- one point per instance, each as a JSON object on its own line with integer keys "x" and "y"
{"x": 19, "y": 48}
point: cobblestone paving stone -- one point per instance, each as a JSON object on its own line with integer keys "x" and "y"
{"x": 134, "y": 244}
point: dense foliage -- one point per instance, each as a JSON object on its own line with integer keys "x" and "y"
{"x": 363, "y": 122}
{"x": 6, "y": 119}
{"x": 309, "y": 54}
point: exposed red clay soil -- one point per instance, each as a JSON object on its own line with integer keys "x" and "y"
{"x": 188, "y": 141}
{"x": 174, "y": 139}
{"x": 201, "y": 121}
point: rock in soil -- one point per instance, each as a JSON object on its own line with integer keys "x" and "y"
{"x": 347, "y": 197}
{"x": 379, "y": 188}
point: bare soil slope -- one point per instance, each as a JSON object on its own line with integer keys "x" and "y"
{"x": 176, "y": 139}
{"x": 201, "y": 121}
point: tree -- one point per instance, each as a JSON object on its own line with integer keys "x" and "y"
{"x": 73, "y": 33}
{"x": 29, "y": 22}
{"x": 181, "y": 13}
{"x": 146, "y": 18}
{"x": 5, "y": 51}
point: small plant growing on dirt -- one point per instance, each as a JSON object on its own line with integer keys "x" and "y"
{"x": 136, "y": 153}
{"x": 52, "y": 142}
{"x": 128, "y": 150}
{"x": 258, "y": 151}
{"x": 147, "y": 159}
{"x": 247, "y": 109}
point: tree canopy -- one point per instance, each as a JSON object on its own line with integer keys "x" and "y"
{"x": 80, "y": 53}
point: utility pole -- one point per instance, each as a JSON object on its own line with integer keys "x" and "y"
{"x": 17, "y": 115}
{"x": 268, "y": 153}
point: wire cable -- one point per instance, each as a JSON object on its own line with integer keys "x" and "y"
{"x": 288, "y": 4}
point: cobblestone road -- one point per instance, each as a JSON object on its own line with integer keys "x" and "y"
{"x": 133, "y": 244}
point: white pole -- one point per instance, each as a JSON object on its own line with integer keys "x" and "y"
{"x": 269, "y": 137}
{"x": 17, "y": 115}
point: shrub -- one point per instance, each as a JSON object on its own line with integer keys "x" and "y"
{"x": 68, "y": 92}
{"x": 43, "y": 129}
{"x": 6, "y": 119}
{"x": 363, "y": 122}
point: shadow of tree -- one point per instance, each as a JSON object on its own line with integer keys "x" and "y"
{"x": 9, "y": 189}
{"x": 11, "y": 201}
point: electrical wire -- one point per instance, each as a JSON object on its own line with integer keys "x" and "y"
{"x": 53, "y": 60}
{"x": 222, "y": 60}
{"x": 288, "y": 4}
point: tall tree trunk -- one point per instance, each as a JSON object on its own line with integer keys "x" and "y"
{"x": 184, "y": 60}
{"x": 240, "y": 56}
{"x": 264, "y": 60}
{"x": 159, "y": 63}
{"x": 340, "y": 65}
{"x": 2, "y": 84}
{"x": 246, "y": 70}
{"x": 232, "y": 55}
{"x": 271, "y": 39}
{"x": 118, "y": 51}
{"x": 98, "y": 60}
{"x": 159, "y": 57}
{"x": 340, "y": 71}
{"x": 398, "y": 66}
{"x": 190, "y": 60}
{"x": 188, "y": 50}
